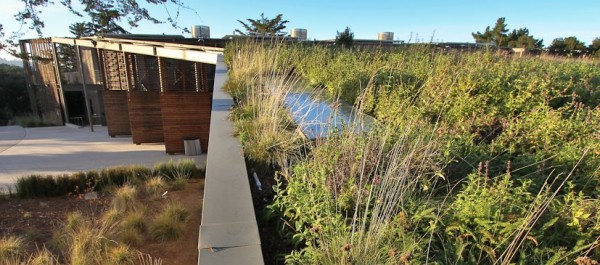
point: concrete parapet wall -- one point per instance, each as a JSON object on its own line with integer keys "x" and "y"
{"x": 228, "y": 232}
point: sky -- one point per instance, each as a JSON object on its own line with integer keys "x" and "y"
{"x": 414, "y": 21}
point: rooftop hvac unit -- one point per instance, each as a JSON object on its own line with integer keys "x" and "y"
{"x": 201, "y": 32}
{"x": 385, "y": 36}
{"x": 299, "y": 34}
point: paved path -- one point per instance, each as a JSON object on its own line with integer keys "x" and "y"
{"x": 57, "y": 150}
{"x": 10, "y": 136}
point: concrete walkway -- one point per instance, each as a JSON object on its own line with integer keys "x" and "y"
{"x": 57, "y": 150}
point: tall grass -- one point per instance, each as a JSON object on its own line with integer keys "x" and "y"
{"x": 410, "y": 190}
{"x": 261, "y": 82}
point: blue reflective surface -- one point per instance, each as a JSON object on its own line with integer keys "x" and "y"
{"x": 317, "y": 118}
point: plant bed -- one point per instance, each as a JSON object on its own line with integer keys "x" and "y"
{"x": 58, "y": 225}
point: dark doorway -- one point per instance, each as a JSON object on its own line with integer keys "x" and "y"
{"x": 76, "y": 107}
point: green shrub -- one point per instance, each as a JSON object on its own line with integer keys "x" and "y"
{"x": 35, "y": 186}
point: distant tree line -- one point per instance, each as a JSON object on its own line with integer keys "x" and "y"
{"x": 521, "y": 38}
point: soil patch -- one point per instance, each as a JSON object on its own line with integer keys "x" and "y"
{"x": 185, "y": 249}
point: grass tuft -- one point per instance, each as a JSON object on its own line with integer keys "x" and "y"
{"x": 125, "y": 198}
{"x": 11, "y": 246}
{"x": 175, "y": 211}
{"x": 164, "y": 228}
{"x": 168, "y": 224}
{"x": 155, "y": 186}
{"x": 120, "y": 255}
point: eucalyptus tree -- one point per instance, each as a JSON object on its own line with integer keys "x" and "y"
{"x": 263, "y": 26}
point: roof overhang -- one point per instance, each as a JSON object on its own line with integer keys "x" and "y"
{"x": 186, "y": 52}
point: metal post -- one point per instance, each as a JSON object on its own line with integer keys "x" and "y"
{"x": 85, "y": 96}
{"x": 161, "y": 74}
{"x": 61, "y": 94}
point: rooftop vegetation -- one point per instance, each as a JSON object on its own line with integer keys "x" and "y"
{"x": 479, "y": 158}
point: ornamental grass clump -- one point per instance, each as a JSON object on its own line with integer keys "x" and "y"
{"x": 168, "y": 224}
{"x": 11, "y": 247}
{"x": 125, "y": 198}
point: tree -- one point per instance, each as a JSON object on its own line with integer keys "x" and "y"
{"x": 102, "y": 23}
{"x": 106, "y": 12}
{"x": 14, "y": 100}
{"x": 263, "y": 26}
{"x": 344, "y": 38}
{"x": 499, "y": 34}
{"x": 81, "y": 29}
{"x": 521, "y": 39}
{"x": 568, "y": 43}
{"x": 595, "y": 47}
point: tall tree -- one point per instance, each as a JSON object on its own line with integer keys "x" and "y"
{"x": 81, "y": 29}
{"x": 568, "y": 43}
{"x": 344, "y": 38}
{"x": 496, "y": 35}
{"x": 263, "y": 26}
{"x": 519, "y": 38}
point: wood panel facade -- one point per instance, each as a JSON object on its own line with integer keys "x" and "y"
{"x": 186, "y": 115}
{"x": 42, "y": 79}
{"x": 116, "y": 108}
{"x": 145, "y": 117}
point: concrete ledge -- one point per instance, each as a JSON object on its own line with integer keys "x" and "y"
{"x": 228, "y": 231}
{"x": 235, "y": 255}
{"x": 228, "y": 235}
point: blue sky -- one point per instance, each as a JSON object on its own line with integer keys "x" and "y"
{"x": 422, "y": 20}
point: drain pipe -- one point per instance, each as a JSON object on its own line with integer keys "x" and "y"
{"x": 256, "y": 181}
